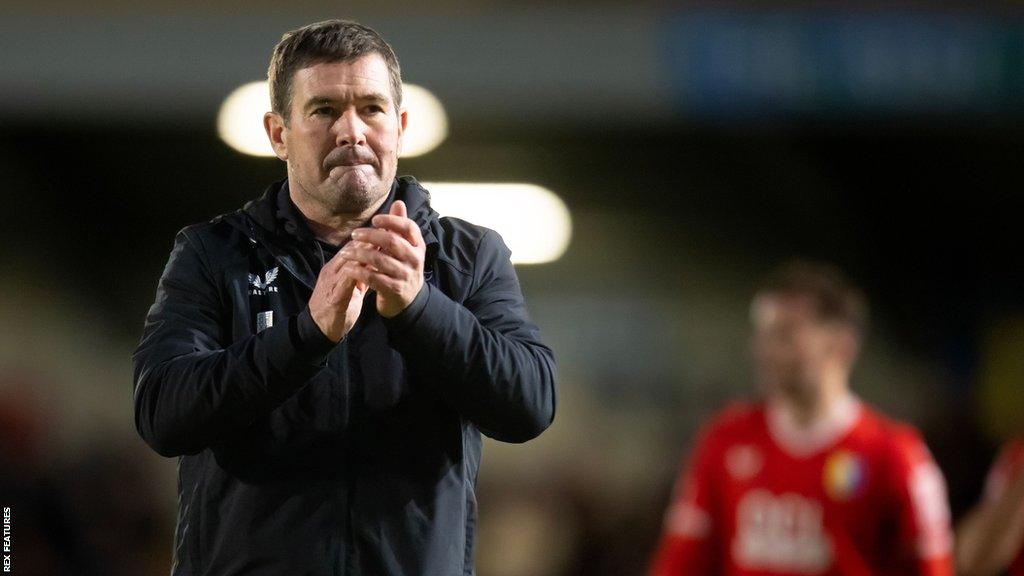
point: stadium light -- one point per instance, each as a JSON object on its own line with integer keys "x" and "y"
{"x": 428, "y": 123}
{"x": 240, "y": 120}
{"x": 534, "y": 222}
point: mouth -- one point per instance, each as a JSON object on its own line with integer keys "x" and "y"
{"x": 347, "y": 158}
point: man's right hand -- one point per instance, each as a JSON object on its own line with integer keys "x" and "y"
{"x": 336, "y": 300}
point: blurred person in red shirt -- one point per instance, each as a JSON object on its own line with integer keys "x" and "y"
{"x": 990, "y": 539}
{"x": 810, "y": 480}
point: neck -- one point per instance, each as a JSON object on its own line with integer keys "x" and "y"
{"x": 808, "y": 409}
{"x": 335, "y": 228}
{"x": 806, "y": 428}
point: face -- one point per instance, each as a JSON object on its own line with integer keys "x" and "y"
{"x": 344, "y": 135}
{"x": 793, "y": 349}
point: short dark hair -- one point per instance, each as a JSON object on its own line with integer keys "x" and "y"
{"x": 836, "y": 298}
{"x": 327, "y": 41}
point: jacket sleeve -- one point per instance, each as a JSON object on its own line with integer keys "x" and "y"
{"x": 485, "y": 356}
{"x": 190, "y": 387}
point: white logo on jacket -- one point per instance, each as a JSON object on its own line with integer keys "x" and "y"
{"x": 259, "y": 287}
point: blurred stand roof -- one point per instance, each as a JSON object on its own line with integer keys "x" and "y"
{"x": 495, "y": 64}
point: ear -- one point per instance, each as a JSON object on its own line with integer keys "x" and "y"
{"x": 403, "y": 120}
{"x": 277, "y": 132}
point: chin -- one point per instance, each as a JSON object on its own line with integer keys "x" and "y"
{"x": 354, "y": 202}
{"x": 783, "y": 387}
{"x": 353, "y": 199}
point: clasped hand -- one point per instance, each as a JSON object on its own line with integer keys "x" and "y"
{"x": 387, "y": 258}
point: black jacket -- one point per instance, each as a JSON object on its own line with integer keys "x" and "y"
{"x": 302, "y": 457}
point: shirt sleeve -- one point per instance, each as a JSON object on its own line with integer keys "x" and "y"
{"x": 925, "y": 534}
{"x": 690, "y": 536}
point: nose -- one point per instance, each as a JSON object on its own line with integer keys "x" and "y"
{"x": 349, "y": 129}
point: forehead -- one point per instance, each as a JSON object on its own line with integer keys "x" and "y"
{"x": 772, "y": 308}
{"x": 367, "y": 74}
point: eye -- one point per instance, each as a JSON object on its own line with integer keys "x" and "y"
{"x": 323, "y": 111}
{"x": 375, "y": 109}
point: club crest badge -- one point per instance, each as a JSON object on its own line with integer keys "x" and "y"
{"x": 845, "y": 475}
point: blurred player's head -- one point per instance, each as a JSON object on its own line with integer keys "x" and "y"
{"x": 808, "y": 322}
{"x": 337, "y": 117}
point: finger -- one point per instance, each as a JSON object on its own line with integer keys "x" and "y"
{"x": 378, "y": 260}
{"x": 342, "y": 291}
{"x": 404, "y": 227}
{"x": 385, "y": 240}
{"x": 331, "y": 276}
{"x": 368, "y": 245}
{"x": 370, "y": 278}
{"x": 398, "y": 209}
{"x": 333, "y": 265}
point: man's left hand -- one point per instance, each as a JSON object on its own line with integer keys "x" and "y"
{"x": 389, "y": 259}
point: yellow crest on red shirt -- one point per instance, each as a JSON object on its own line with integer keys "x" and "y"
{"x": 845, "y": 475}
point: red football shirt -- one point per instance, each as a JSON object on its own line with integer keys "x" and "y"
{"x": 1008, "y": 466}
{"x": 857, "y": 495}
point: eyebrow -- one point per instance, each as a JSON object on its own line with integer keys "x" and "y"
{"x": 376, "y": 97}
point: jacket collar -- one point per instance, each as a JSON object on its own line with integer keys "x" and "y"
{"x": 273, "y": 221}
{"x": 276, "y": 214}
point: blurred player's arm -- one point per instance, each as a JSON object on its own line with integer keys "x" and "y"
{"x": 991, "y": 535}
{"x": 689, "y": 539}
{"x": 925, "y": 532}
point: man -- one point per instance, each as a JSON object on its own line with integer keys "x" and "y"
{"x": 324, "y": 359}
{"x": 809, "y": 481}
{"x": 990, "y": 539}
